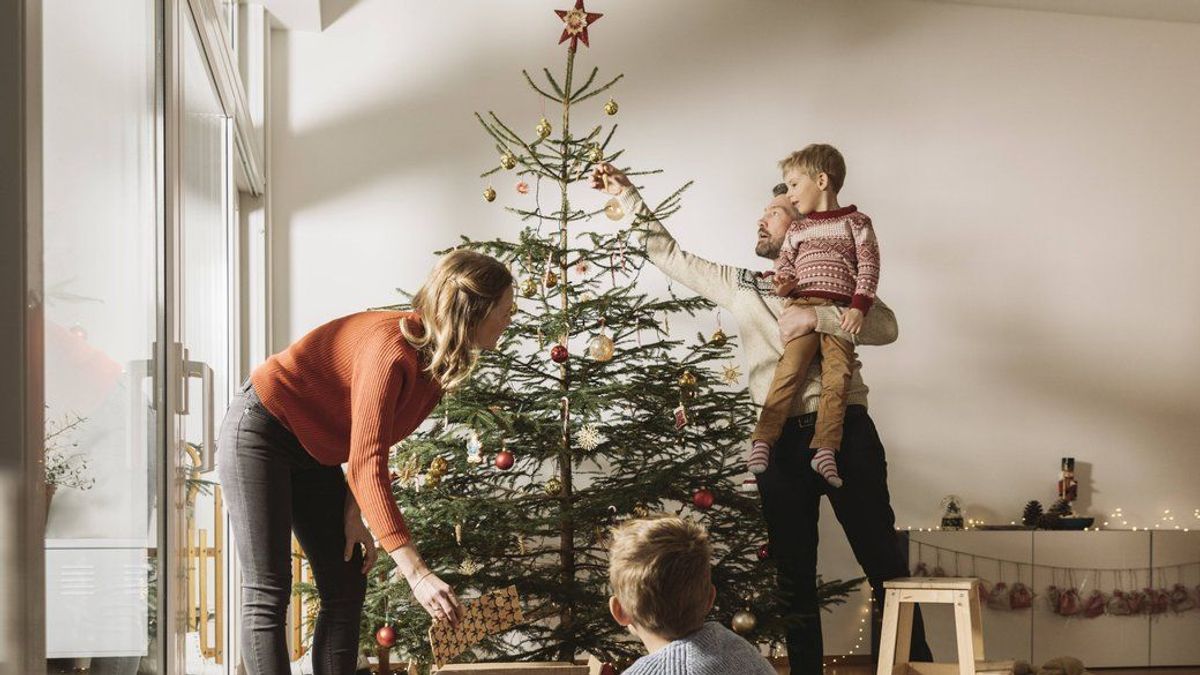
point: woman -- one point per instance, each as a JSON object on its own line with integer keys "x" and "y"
{"x": 344, "y": 394}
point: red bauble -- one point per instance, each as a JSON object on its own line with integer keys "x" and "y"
{"x": 559, "y": 354}
{"x": 386, "y": 636}
{"x": 608, "y": 669}
{"x": 703, "y": 499}
{"x": 764, "y": 552}
{"x": 504, "y": 460}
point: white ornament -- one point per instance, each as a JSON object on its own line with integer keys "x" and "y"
{"x": 589, "y": 437}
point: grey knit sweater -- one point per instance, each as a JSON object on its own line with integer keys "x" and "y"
{"x": 712, "y": 650}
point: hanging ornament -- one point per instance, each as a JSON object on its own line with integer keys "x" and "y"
{"x": 703, "y": 499}
{"x": 611, "y": 107}
{"x": 508, "y": 160}
{"x": 522, "y": 544}
{"x": 1094, "y": 605}
{"x": 551, "y": 279}
{"x": 731, "y": 375}
{"x": 522, "y": 187}
{"x": 529, "y": 287}
{"x": 589, "y": 437}
{"x": 718, "y": 338}
{"x": 581, "y": 267}
{"x": 594, "y": 153}
{"x": 489, "y": 194}
{"x": 681, "y": 418}
{"x": 409, "y": 470}
{"x": 504, "y": 460}
{"x": 587, "y": 296}
{"x": 543, "y": 128}
{"x": 1021, "y": 597}
{"x": 474, "y": 450}
{"x": 458, "y": 532}
{"x": 469, "y": 568}
{"x": 439, "y": 466}
{"x": 600, "y": 347}
{"x": 553, "y": 487}
{"x": 576, "y": 23}
{"x": 764, "y": 552}
{"x": 559, "y": 354}
{"x": 385, "y": 636}
{"x": 687, "y": 380}
{"x": 613, "y": 209}
{"x": 744, "y": 622}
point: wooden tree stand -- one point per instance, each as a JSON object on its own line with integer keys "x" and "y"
{"x": 896, "y": 637}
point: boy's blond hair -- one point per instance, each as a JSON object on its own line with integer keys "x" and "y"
{"x": 659, "y": 569}
{"x": 817, "y": 159}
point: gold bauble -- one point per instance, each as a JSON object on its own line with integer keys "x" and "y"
{"x": 718, "y": 338}
{"x": 744, "y": 622}
{"x": 601, "y": 348}
{"x": 611, "y": 107}
{"x": 543, "y": 128}
{"x": 489, "y": 194}
{"x": 529, "y": 287}
{"x": 507, "y": 160}
{"x": 614, "y": 210}
{"x": 687, "y": 380}
{"x": 594, "y": 153}
{"x": 553, "y": 487}
{"x": 551, "y": 279}
{"x": 438, "y": 466}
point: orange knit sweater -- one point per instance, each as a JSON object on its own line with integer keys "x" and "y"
{"x": 349, "y": 391}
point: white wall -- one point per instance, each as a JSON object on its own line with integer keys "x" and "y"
{"x": 1030, "y": 175}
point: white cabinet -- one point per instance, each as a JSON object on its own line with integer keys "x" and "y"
{"x": 1105, "y": 560}
{"x": 96, "y": 598}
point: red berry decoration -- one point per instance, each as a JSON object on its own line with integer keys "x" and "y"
{"x": 703, "y": 499}
{"x": 386, "y": 636}
{"x": 504, "y": 460}
{"x": 559, "y": 354}
{"x": 764, "y": 552}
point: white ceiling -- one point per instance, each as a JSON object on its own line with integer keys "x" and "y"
{"x": 1161, "y": 10}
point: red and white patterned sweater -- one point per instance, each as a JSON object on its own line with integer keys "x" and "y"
{"x": 833, "y": 255}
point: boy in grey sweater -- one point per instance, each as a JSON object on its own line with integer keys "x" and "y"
{"x": 659, "y": 570}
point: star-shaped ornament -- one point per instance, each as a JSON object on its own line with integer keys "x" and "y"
{"x": 575, "y": 24}
{"x": 731, "y": 375}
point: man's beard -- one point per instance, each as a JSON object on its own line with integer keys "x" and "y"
{"x": 765, "y": 248}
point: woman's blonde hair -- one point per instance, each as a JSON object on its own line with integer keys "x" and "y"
{"x": 463, "y": 288}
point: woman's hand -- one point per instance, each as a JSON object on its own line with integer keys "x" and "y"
{"x": 435, "y": 595}
{"x": 356, "y": 534}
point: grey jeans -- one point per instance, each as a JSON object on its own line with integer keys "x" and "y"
{"x": 273, "y": 488}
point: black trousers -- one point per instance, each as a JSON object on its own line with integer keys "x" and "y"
{"x": 791, "y": 496}
{"x": 273, "y": 488}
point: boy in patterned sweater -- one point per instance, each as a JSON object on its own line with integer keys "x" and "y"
{"x": 829, "y": 257}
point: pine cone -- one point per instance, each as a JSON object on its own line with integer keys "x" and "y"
{"x": 1061, "y": 508}
{"x": 1033, "y": 511}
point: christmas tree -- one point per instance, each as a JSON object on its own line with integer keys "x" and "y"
{"x": 589, "y": 413}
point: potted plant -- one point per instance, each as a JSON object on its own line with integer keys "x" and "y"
{"x": 65, "y": 468}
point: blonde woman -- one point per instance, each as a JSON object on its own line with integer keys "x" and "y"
{"x": 344, "y": 394}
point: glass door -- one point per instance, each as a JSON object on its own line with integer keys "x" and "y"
{"x": 207, "y": 291}
{"x": 103, "y": 335}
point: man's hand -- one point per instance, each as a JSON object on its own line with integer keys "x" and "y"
{"x": 608, "y": 178}
{"x": 356, "y": 534}
{"x": 852, "y": 321}
{"x": 796, "y": 321}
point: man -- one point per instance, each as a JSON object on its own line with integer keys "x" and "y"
{"x": 790, "y": 490}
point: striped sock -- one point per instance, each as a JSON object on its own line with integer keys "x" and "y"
{"x": 756, "y": 461}
{"x": 825, "y": 464}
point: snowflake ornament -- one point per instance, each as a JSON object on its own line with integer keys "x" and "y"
{"x": 589, "y": 437}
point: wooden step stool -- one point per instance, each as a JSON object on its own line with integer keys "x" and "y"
{"x": 894, "y": 642}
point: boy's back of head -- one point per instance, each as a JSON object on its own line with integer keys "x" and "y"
{"x": 660, "y": 572}
{"x": 816, "y": 159}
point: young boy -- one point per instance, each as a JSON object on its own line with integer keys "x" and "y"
{"x": 662, "y": 590}
{"x": 829, "y": 256}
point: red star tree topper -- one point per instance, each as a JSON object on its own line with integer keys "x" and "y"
{"x": 575, "y": 24}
